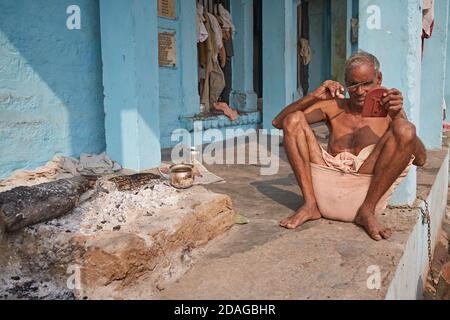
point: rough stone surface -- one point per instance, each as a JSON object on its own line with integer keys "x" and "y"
{"x": 50, "y": 83}
{"x": 152, "y": 244}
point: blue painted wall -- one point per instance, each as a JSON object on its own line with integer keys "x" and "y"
{"x": 279, "y": 57}
{"x": 401, "y": 64}
{"x": 131, "y": 83}
{"x": 320, "y": 43}
{"x": 447, "y": 77}
{"x": 178, "y": 91}
{"x": 243, "y": 96}
{"x": 50, "y": 83}
{"x": 433, "y": 79}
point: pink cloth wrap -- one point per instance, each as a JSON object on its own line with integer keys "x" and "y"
{"x": 340, "y": 190}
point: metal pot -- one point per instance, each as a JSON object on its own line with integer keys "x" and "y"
{"x": 182, "y": 176}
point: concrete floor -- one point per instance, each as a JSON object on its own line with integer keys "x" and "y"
{"x": 260, "y": 260}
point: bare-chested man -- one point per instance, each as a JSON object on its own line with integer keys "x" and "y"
{"x": 394, "y": 140}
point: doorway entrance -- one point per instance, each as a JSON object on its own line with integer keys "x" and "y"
{"x": 258, "y": 51}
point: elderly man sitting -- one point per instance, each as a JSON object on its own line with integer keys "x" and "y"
{"x": 366, "y": 159}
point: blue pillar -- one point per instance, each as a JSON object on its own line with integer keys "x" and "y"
{"x": 396, "y": 40}
{"x": 447, "y": 77}
{"x": 433, "y": 79}
{"x": 130, "y": 78}
{"x": 348, "y": 27}
{"x": 279, "y": 57}
{"x": 243, "y": 96}
{"x": 188, "y": 57}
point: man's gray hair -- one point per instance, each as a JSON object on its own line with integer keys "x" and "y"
{"x": 360, "y": 58}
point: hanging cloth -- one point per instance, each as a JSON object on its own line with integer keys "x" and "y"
{"x": 202, "y": 33}
{"x": 305, "y": 51}
{"x": 214, "y": 78}
{"x": 226, "y": 19}
{"x": 217, "y": 30}
{"x": 427, "y": 21}
{"x": 304, "y": 35}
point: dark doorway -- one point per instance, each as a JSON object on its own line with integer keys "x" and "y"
{"x": 258, "y": 50}
{"x": 212, "y": 6}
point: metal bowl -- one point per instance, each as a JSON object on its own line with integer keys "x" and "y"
{"x": 182, "y": 176}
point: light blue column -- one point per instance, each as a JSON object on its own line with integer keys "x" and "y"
{"x": 447, "y": 77}
{"x": 243, "y": 96}
{"x": 188, "y": 57}
{"x": 178, "y": 85}
{"x": 130, "y": 78}
{"x": 433, "y": 79}
{"x": 279, "y": 57}
{"x": 391, "y": 30}
{"x": 348, "y": 27}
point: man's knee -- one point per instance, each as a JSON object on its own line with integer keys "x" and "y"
{"x": 420, "y": 160}
{"x": 293, "y": 121}
{"x": 420, "y": 154}
{"x": 404, "y": 131}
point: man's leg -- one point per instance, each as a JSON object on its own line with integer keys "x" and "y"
{"x": 389, "y": 159}
{"x": 302, "y": 148}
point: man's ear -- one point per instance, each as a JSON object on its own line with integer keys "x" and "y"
{"x": 380, "y": 78}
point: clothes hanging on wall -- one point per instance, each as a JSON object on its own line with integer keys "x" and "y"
{"x": 305, "y": 51}
{"x": 227, "y": 70}
{"x": 216, "y": 83}
{"x": 202, "y": 33}
{"x": 228, "y": 29}
{"x": 227, "y": 21}
{"x": 207, "y": 50}
{"x": 215, "y": 54}
{"x": 304, "y": 36}
{"x": 218, "y": 35}
{"x": 427, "y": 21}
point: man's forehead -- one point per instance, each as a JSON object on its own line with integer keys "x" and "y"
{"x": 365, "y": 70}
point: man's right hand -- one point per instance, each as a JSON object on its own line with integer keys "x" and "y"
{"x": 329, "y": 90}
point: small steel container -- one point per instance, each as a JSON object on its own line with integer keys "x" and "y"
{"x": 182, "y": 176}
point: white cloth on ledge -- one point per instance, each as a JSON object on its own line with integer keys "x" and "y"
{"x": 61, "y": 168}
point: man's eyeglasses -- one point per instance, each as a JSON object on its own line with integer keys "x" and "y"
{"x": 364, "y": 85}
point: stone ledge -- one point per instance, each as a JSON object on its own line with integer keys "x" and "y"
{"x": 133, "y": 262}
{"x": 220, "y": 121}
{"x": 412, "y": 270}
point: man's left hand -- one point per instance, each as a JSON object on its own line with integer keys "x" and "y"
{"x": 393, "y": 102}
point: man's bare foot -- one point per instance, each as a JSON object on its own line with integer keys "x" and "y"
{"x": 368, "y": 221}
{"x": 230, "y": 113}
{"x": 304, "y": 214}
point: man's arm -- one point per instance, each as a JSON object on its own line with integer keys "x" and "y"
{"x": 299, "y": 105}
{"x": 329, "y": 90}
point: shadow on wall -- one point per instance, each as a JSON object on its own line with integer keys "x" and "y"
{"x": 51, "y": 93}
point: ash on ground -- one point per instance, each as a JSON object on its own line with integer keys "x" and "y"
{"x": 110, "y": 210}
{"x": 105, "y": 210}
